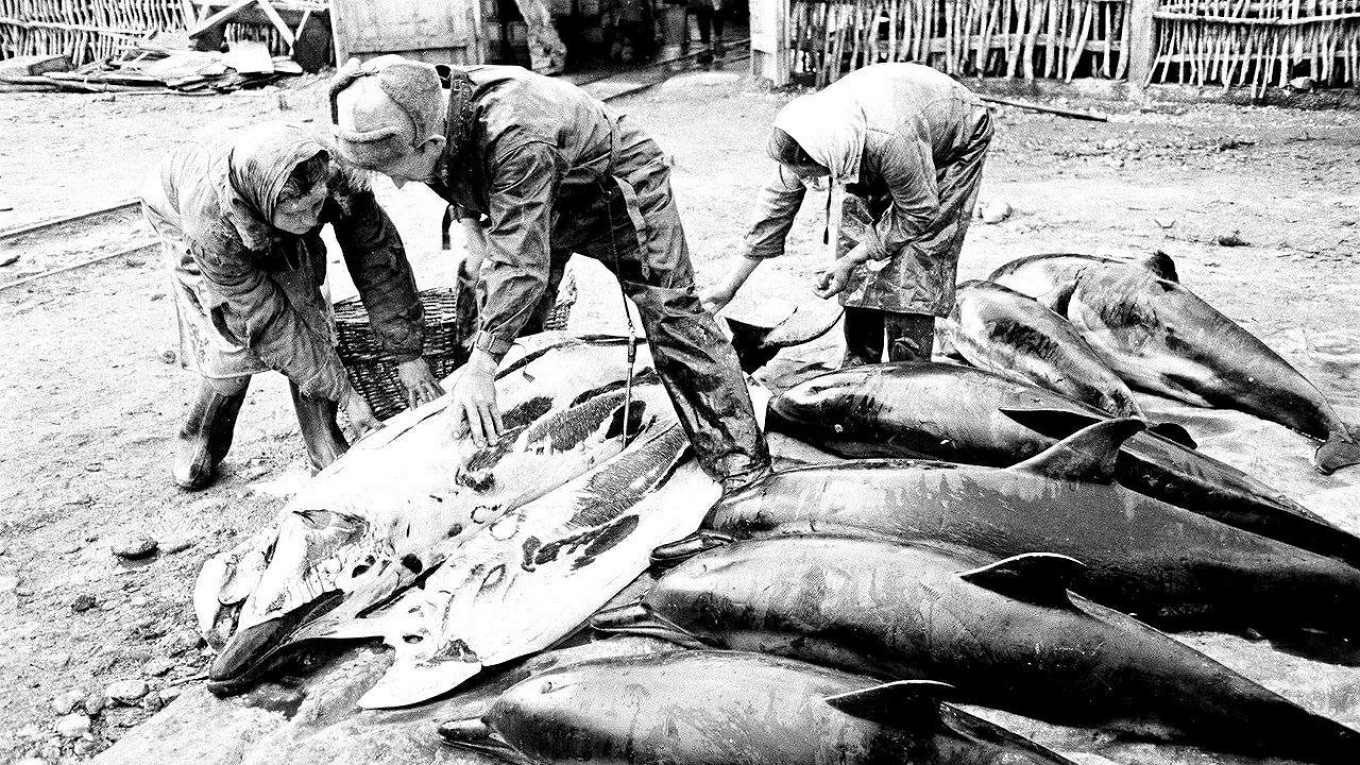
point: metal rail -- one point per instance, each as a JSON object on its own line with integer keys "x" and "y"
{"x": 15, "y": 233}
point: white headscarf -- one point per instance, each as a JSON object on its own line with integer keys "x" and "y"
{"x": 830, "y": 128}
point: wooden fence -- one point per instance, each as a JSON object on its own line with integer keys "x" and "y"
{"x": 90, "y": 30}
{"x": 1255, "y": 43}
{"x": 1001, "y": 38}
{"x": 84, "y": 30}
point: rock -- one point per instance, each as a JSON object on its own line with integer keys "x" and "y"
{"x": 95, "y": 703}
{"x": 135, "y": 548}
{"x": 177, "y": 545}
{"x": 83, "y": 602}
{"x": 9, "y": 583}
{"x": 126, "y": 691}
{"x": 1301, "y": 83}
{"x": 73, "y": 725}
{"x": 181, "y": 642}
{"x": 170, "y": 694}
{"x": 995, "y": 212}
{"x": 66, "y": 702}
{"x": 1112, "y": 144}
{"x": 152, "y": 702}
{"x": 168, "y": 355}
{"x": 1232, "y": 240}
{"x": 158, "y": 667}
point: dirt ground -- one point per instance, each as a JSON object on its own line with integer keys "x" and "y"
{"x": 90, "y": 406}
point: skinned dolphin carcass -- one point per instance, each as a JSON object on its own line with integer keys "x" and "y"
{"x": 1007, "y": 635}
{"x": 1161, "y": 337}
{"x": 538, "y": 572}
{"x": 378, "y": 518}
{"x": 1161, "y": 563}
{"x": 960, "y": 414}
{"x": 732, "y": 708}
{"x": 1000, "y": 330}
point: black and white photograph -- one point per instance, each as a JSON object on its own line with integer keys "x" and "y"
{"x": 680, "y": 382}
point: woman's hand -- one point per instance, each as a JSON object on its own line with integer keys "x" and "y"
{"x": 473, "y": 405}
{"x": 419, "y": 381}
{"x": 358, "y": 412}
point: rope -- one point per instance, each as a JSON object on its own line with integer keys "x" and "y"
{"x": 627, "y": 315}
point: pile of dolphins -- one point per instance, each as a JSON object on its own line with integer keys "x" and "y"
{"x": 1013, "y": 534}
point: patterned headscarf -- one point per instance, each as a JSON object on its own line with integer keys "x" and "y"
{"x": 258, "y": 166}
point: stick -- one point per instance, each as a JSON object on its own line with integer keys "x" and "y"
{"x": 1076, "y": 115}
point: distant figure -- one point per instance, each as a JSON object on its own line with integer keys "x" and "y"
{"x": 899, "y": 149}
{"x": 709, "y": 18}
{"x": 240, "y": 223}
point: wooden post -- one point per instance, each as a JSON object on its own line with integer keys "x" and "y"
{"x": 1142, "y": 50}
{"x": 770, "y": 51}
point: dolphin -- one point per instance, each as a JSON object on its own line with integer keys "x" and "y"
{"x": 732, "y": 708}
{"x": 381, "y": 517}
{"x": 1161, "y": 337}
{"x": 541, "y": 570}
{"x": 1002, "y": 331}
{"x": 960, "y": 414}
{"x": 1166, "y": 565}
{"x": 1006, "y": 634}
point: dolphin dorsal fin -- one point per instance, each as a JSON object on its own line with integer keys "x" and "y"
{"x": 891, "y": 704}
{"x": 1087, "y": 455}
{"x": 1162, "y": 265}
{"x": 1038, "y": 578}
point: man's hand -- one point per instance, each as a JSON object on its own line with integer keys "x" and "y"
{"x": 419, "y": 382}
{"x": 831, "y": 281}
{"x": 359, "y": 413}
{"x": 473, "y": 405}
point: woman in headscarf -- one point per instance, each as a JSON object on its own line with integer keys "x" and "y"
{"x": 240, "y": 221}
{"x": 898, "y": 149}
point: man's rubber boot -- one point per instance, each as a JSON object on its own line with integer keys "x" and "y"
{"x": 206, "y": 436}
{"x": 863, "y": 329}
{"x": 911, "y": 336}
{"x": 320, "y": 431}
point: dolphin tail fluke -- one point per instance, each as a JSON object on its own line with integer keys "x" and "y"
{"x": 1337, "y": 452}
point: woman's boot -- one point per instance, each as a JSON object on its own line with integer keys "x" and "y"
{"x": 205, "y": 439}
{"x": 320, "y": 432}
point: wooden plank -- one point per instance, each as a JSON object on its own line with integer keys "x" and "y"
{"x": 34, "y": 65}
{"x": 1142, "y": 42}
{"x": 277, "y": 21}
{"x": 220, "y": 18}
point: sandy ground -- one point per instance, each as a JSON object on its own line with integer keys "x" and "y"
{"x": 90, "y": 406}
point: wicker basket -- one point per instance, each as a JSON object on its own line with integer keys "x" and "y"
{"x": 449, "y": 327}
